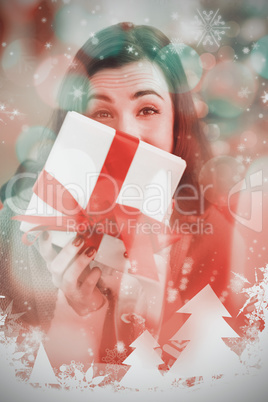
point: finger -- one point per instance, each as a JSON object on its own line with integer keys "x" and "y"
{"x": 90, "y": 298}
{"x": 90, "y": 280}
{"x": 45, "y": 247}
{"x": 64, "y": 259}
{"x": 69, "y": 279}
{"x": 90, "y": 290}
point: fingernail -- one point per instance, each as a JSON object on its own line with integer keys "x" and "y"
{"x": 78, "y": 240}
{"x": 45, "y": 235}
{"x": 90, "y": 251}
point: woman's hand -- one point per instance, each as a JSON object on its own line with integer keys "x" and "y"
{"x": 71, "y": 273}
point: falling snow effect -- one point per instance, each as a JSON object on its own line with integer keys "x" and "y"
{"x": 264, "y": 97}
{"x": 77, "y": 93}
{"x": 244, "y": 92}
{"x": 177, "y": 46}
{"x": 11, "y": 114}
{"x": 246, "y": 50}
{"x": 209, "y": 27}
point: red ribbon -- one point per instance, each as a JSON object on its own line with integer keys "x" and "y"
{"x": 102, "y": 207}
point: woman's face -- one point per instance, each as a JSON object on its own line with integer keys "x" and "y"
{"x": 135, "y": 99}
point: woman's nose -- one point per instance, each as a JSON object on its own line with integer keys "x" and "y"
{"x": 129, "y": 126}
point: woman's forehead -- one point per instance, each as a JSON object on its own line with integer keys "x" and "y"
{"x": 138, "y": 74}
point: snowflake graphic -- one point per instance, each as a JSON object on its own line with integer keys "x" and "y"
{"x": 12, "y": 114}
{"x": 246, "y": 50}
{"x": 248, "y": 160}
{"x": 241, "y": 147}
{"x": 209, "y": 27}
{"x": 187, "y": 266}
{"x": 238, "y": 282}
{"x": 114, "y": 359}
{"x": 2, "y": 319}
{"x": 127, "y": 289}
{"x": 251, "y": 331}
{"x": 177, "y": 46}
{"x": 48, "y": 45}
{"x": 257, "y": 296}
{"x": 11, "y": 327}
{"x": 236, "y": 285}
{"x": 73, "y": 65}
{"x": 134, "y": 267}
{"x": 254, "y": 310}
{"x": 176, "y": 383}
{"x": 172, "y": 294}
{"x": 255, "y": 46}
{"x": 244, "y": 92}
{"x": 265, "y": 97}
{"x": 242, "y": 277}
{"x": 130, "y": 49}
{"x": 77, "y": 93}
{"x": 120, "y": 346}
{"x": 33, "y": 337}
{"x": 73, "y": 376}
{"x": 14, "y": 358}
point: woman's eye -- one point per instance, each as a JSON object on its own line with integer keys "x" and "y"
{"x": 102, "y": 114}
{"x": 148, "y": 111}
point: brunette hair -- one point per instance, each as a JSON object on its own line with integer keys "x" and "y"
{"x": 125, "y": 43}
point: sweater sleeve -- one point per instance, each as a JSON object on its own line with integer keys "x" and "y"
{"x": 26, "y": 282}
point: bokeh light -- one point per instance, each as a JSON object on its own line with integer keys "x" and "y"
{"x": 73, "y": 93}
{"x": 226, "y": 53}
{"x": 218, "y": 176}
{"x": 201, "y": 108}
{"x": 249, "y": 139}
{"x": 233, "y": 30}
{"x": 48, "y": 77}
{"x": 229, "y": 89}
{"x": 74, "y": 24}
{"x": 20, "y": 60}
{"x": 29, "y": 141}
{"x": 259, "y": 57}
{"x": 192, "y": 66}
{"x": 252, "y": 29}
{"x": 212, "y": 132}
{"x": 208, "y": 61}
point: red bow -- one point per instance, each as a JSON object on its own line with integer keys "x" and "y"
{"x": 102, "y": 207}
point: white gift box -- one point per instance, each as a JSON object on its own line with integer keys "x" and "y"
{"x": 76, "y": 160}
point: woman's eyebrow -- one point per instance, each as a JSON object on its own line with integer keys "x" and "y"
{"x": 136, "y": 95}
{"x": 100, "y": 97}
{"x": 145, "y": 92}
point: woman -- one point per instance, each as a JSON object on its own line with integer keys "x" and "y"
{"x": 127, "y": 77}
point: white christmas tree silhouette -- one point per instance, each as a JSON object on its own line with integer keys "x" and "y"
{"x": 144, "y": 362}
{"x": 206, "y": 354}
{"x": 42, "y": 372}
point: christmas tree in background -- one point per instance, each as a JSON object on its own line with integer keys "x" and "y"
{"x": 206, "y": 354}
{"x": 144, "y": 362}
{"x": 42, "y": 372}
